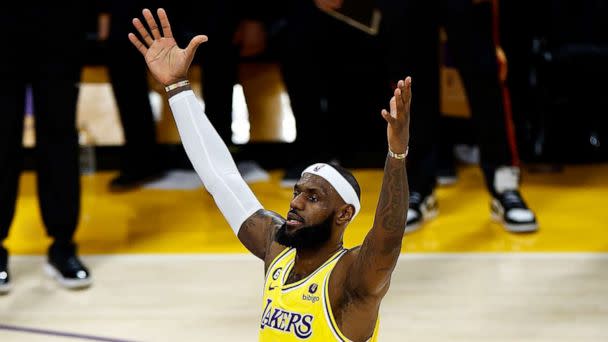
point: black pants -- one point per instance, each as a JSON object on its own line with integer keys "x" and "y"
{"x": 52, "y": 67}
{"x": 219, "y": 61}
{"x": 411, "y": 35}
{"x": 218, "y": 58}
{"x": 332, "y": 75}
{"x": 129, "y": 78}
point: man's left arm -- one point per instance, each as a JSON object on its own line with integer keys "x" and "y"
{"x": 376, "y": 259}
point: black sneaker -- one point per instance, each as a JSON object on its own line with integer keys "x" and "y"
{"x": 64, "y": 266}
{"x": 421, "y": 209}
{"x": 5, "y": 280}
{"x": 510, "y": 209}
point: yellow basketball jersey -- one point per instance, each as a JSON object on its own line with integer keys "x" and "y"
{"x": 301, "y": 310}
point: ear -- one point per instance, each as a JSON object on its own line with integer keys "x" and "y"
{"x": 345, "y": 214}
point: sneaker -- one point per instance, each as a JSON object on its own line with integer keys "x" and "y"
{"x": 5, "y": 280}
{"x": 64, "y": 266}
{"x": 510, "y": 209}
{"x": 252, "y": 172}
{"x": 420, "y": 210}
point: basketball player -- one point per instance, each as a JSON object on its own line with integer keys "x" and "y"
{"x": 315, "y": 288}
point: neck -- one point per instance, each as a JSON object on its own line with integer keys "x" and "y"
{"x": 308, "y": 260}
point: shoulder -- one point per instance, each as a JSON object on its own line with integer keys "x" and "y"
{"x": 273, "y": 222}
{"x": 340, "y": 272}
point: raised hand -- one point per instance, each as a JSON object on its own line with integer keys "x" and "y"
{"x": 398, "y": 129}
{"x": 167, "y": 62}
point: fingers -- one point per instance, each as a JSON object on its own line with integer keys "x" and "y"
{"x": 393, "y": 107}
{"x": 142, "y": 31}
{"x": 151, "y": 23}
{"x": 164, "y": 23}
{"x": 194, "y": 43}
{"x": 385, "y": 115}
{"x": 138, "y": 44}
{"x": 400, "y": 103}
{"x": 407, "y": 90}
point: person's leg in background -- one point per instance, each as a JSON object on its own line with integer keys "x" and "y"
{"x": 355, "y": 95}
{"x": 470, "y": 34}
{"x": 55, "y": 89}
{"x": 410, "y": 36}
{"x": 12, "y": 97}
{"x": 219, "y": 63}
{"x": 55, "y": 95}
{"x": 52, "y": 67}
{"x": 305, "y": 76}
{"x": 219, "y": 60}
{"x": 446, "y": 163}
{"x": 519, "y": 24}
{"x": 140, "y": 162}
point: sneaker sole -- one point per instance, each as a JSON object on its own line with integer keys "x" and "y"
{"x": 410, "y": 228}
{"x": 67, "y": 283}
{"x": 515, "y": 228}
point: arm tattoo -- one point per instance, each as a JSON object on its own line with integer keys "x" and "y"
{"x": 394, "y": 197}
{"x": 380, "y": 250}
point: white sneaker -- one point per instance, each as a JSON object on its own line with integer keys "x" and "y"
{"x": 510, "y": 209}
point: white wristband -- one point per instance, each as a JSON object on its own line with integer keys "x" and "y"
{"x": 177, "y": 85}
{"x": 399, "y": 155}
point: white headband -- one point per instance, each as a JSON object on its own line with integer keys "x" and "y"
{"x": 342, "y": 186}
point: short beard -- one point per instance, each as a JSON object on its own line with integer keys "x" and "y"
{"x": 309, "y": 237}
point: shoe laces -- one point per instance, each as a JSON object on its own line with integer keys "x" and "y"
{"x": 512, "y": 199}
{"x": 74, "y": 264}
{"x": 415, "y": 199}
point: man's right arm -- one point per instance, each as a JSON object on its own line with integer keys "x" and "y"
{"x": 209, "y": 155}
{"x": 212, "y": 161}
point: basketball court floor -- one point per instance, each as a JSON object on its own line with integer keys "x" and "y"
{"x": 167, "y": 267}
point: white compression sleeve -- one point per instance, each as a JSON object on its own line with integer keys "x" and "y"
{"x": 212, "y": 160}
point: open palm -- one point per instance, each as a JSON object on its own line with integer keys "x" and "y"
{"x": 167, "y": 62}
{"x": 398, "y": 118}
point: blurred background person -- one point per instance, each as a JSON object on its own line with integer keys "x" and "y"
{"x": 43, "y": 48}
{"x": 140, "y": 161}
{"x": 544, "y": 41}
{"x": 469, "y": 29}
{"x": 238, "y": 31}
{"x": 320, "y": 56}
